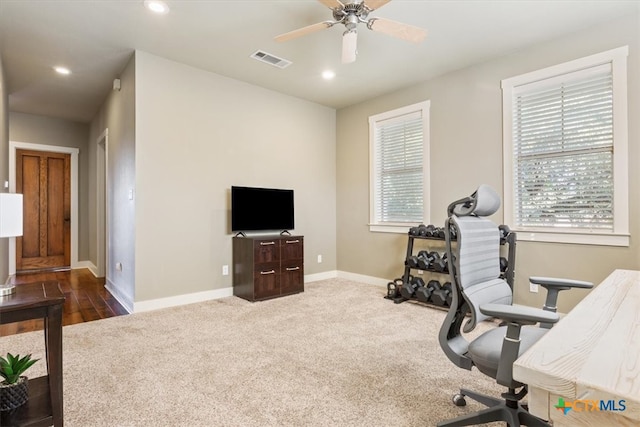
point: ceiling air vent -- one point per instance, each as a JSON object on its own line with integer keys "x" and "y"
{"x": 271, "y": 59}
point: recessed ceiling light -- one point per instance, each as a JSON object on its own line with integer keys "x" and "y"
{"x": 328, "y": 74}
{"x": 62, "y": 70}
{"x": 156, "y": 6}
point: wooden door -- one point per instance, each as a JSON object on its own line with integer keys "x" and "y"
{"x": 44, "y": 179}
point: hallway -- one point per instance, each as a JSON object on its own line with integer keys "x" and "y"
{"x": 86, "y": 299}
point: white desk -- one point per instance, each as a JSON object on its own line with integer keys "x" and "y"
{"x": 591, "y": 354}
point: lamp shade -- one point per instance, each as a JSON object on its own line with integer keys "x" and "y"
{"x": 10, "y": 215}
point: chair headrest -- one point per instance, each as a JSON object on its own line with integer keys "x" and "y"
{"x": 483, "y": 202}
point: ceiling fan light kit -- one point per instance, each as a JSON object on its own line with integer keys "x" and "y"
{"x": 349, "y": 46}
{"x": 350, "y": 15}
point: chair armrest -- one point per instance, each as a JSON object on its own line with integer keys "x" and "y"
{"x": 552, "y": 282}
{"x": 520, "y": 314}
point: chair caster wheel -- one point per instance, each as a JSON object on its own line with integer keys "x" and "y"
{"x": 458, "y": 400}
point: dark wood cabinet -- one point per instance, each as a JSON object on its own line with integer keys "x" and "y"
{"x": 267, "y": 266}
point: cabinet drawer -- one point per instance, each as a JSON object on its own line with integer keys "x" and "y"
{"x": 292, "y": 277}
{"x": 266, "y": 279}
{"x": 266, "y": 250}
{"x": 292, "y": 248}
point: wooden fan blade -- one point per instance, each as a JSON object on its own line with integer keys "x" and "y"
{"x": 375, "y": 4}
{"x": 397, "y": 29}
{"x": 332, "y": 4}
{"x": 304, "y": 31}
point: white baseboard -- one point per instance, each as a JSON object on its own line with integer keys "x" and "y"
{"x": 86, "y": 264}
{"x": 124, "y": 300}
{"x": 320, "y": 276}
{"x": 173, "y": 301}
{"x": 155, "y": 304}
{"x": 370, "y": 280}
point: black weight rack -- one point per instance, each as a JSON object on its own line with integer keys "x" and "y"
{"x": 436, "y": 234}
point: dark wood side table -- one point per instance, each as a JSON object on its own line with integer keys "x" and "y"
{"x": 40, "y": 300}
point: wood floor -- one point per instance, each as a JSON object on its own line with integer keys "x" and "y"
{"x": 86, "y": 299}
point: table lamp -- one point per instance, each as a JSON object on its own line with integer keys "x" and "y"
{"x": 10, "y": 225}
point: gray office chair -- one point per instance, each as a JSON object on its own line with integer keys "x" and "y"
{"x": 478, "y": 294}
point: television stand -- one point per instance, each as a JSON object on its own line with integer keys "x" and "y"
{"x": 267, "y": 267}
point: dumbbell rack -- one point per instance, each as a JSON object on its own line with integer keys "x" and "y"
{"x": 508, "y": 275}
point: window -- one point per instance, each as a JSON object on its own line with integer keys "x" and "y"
{"x": 565, "y": 151}
{"x": 399, "y": 176}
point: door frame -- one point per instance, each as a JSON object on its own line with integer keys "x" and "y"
{"x": 102, "y": 201}
{"x": 13, "y": 147}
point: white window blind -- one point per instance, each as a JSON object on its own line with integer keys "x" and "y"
{"x": 563, "y": 151}
{"x": 399, "y": 169}
{"x": 399, "y": 153}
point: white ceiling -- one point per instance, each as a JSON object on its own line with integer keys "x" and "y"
{"x": 96, "y": 39}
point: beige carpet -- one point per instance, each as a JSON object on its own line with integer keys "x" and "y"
{"x": 338, "y": 354}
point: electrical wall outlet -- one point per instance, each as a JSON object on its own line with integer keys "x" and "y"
{"x": 533, "y": 288}
{"x": 319, "y": 259}
{"x": 225, "y": 270}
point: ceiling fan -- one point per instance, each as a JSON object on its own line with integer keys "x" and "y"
{"x": 350, "y": 14}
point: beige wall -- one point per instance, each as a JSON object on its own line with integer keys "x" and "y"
{"x": 117, "y": 114}
{"x": 466, "y": 150}
{"x": 42, "y": 130}
{"x": 4, "y": 164}
{"x": 197, "y": 134}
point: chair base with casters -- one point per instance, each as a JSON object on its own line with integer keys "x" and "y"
{"x": 478, "y": 294}
{"x": 508, "y": 409}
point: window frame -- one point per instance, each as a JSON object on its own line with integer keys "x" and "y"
{"x": 399, "y": 227}
{"x": 620, "y": 234}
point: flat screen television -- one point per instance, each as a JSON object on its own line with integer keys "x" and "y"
{"x": 261, "y": 209}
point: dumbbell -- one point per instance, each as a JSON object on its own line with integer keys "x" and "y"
{"x": 442, "y": 296}
{"x": 431, "y": 229}
{"x": 408, "y": 289}
{"x": 504, "y": 264}
{"x": 453, "y": 233}
{"x": 448, "y": 286}
{"x": 439, "y": 233}
{"x": 418, "y": 282}
{"x": 423, "y": 294}
{"x": 393, "y": 288}
{"x": 504, "y": 231}
{"x": 423, "y": 260}
{"x": 415, "y": 231}
{"x": 412, "y": 261}
{"x": 433, "y": 258}
{"x": 441, "y": 265}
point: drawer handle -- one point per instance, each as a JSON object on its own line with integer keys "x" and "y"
{"x": 293, "y": 268}
{"x": 268, "y": 272}
{"x": 293, "y": 241}
{"x": 267, "y": 243}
